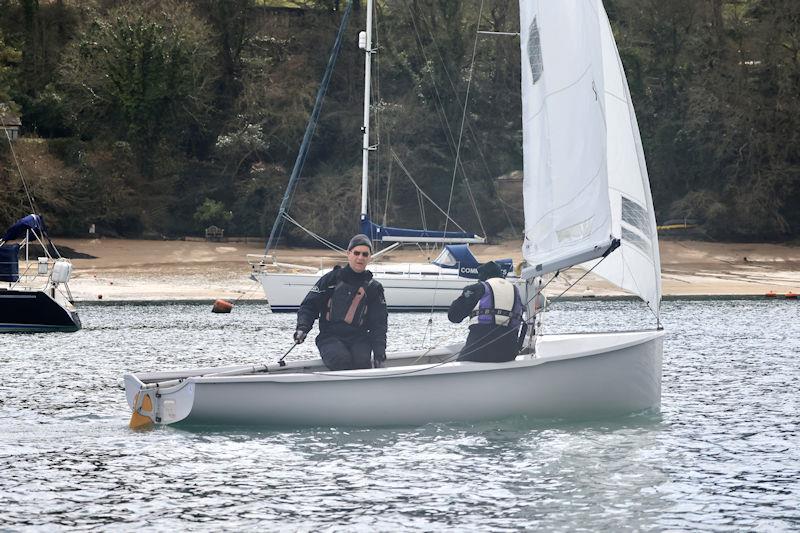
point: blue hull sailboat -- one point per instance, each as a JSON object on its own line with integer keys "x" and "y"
{"x": 36, "y": 296}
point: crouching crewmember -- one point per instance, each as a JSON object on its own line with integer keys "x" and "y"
{"x": 496, "y": 325}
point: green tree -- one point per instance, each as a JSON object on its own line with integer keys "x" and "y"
{"x": 212, "y": 212}
{"x": 10, "y": 58}
{"x": 143, "y": 74}
{"x": 232, "y": 29}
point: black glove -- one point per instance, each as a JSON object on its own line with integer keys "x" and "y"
{"x": 300, "y": 336}
{"x": 379, "y": 360}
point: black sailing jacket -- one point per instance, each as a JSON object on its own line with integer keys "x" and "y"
{"x": 315, "y": 306}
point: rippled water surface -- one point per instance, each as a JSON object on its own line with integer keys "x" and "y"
{"x": 724, "y": 454}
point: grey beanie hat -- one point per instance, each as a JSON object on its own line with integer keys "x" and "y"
{"x": 359, "y": 240}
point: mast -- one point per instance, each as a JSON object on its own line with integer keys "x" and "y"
{"x": 365, "y": 43}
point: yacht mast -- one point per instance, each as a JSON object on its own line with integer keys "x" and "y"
{"x": 365, "y": 43}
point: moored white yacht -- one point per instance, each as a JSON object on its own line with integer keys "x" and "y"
{"x": 407, "y": 286}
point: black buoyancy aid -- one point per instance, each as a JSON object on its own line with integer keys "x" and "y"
{"x": 348, "y": 303}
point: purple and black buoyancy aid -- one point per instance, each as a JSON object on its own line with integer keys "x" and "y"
{"x": 501, "y": 304}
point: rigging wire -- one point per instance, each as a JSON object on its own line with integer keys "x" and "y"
{"x": 464, "y": 115}
{"x": 443, "y": 115}
{"x": 322, "y": 240}
{"x": 406, "y": 172}
{"x": 440, "y": 110}
{"x": 28, "y": 193}
{"x": 277, "y": 226}
{"x": 638, "y": 289}
{"x": 31, "y": 200}
{"x": 388, "y": 188}
{"x": 421, "y": 204}
{"x": 458, "y": 147}
{"x": 470, "y": 128}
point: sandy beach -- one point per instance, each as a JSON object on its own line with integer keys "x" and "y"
{"x": 122, "y": 269}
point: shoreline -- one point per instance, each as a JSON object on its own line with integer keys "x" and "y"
{"x": 122, "y": 270}
{"x": 601, "y": 298}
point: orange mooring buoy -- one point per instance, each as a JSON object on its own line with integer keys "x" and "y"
{"x": 221, "y": 306}
{"x": 790, "y": 295}
{"x": 771, "y": 294}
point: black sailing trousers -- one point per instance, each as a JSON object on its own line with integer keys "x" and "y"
{"x": 345, "y": 353}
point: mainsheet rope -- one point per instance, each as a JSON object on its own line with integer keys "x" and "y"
{"x": 480, "y": 344}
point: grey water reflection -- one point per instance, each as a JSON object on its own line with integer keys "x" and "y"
{"x": 723, "y": 454}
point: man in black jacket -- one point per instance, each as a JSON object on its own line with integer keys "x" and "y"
{"x": 352, "y": 313}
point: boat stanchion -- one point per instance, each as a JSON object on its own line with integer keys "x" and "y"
{"x": 221, "y": 306}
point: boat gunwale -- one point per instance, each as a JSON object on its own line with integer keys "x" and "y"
{"x": 445, "y": 367}
{"x": 441, "y": 368}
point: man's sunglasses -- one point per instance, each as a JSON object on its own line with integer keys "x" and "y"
{"x": 362, "y": 254}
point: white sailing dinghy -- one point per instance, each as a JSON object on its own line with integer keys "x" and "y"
{"x": 587, "y": 198}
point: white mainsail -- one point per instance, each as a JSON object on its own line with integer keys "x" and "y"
{"x": 585, "y": 174}
{"x": 567, "y": 212}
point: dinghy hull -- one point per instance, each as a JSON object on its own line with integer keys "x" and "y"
{"x": 34, "y": 312}
{"x": 582, "y": 376}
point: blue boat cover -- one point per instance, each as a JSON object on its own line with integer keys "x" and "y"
{"x": 460, "y": 256}
{"x": 18, "y": 229}
{"x": 9, "y": 262}
{"x": 376, "y": 232}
